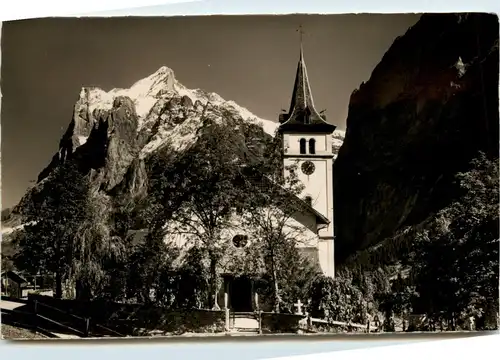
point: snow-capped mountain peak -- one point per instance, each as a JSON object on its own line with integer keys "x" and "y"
{"x": 155, "y": 112}
{"x": 162, "y": 84}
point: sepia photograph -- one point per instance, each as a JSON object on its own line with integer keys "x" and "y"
{"x": 250, "y": 175}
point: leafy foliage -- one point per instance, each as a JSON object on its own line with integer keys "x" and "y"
{"x": 296, "y": 274}
{"x": 150, "y": 266}
{"x": 9, "y": 251}
{"x": 192, "y": 281}
{"x": 337, "y": 299}
{"x": 456, "y": 261}
{"x": 215, "y": 190}
{"x": 447, "y": 267}
{"x": 271, "y": 214}
{"x": 53, "y": 219}
{"x": 196, "y": 193}
{"x": 67, "y": 233}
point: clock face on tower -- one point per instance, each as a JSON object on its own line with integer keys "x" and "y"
{"x": 307, "y": 167}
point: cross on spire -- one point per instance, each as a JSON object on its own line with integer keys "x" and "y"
{"x": 300, "y": 29}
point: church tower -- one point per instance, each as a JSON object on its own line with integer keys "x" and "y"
{"x": 307, "y": 142}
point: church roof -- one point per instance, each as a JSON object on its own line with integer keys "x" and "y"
{"x": 304, "y": 205}
{"x": 302, "y": 115}
{"x": 251, "y": 174}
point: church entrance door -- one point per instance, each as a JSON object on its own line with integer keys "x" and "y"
{"x": 240, "y": 294}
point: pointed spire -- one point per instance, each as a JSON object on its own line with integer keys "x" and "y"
{"x": 302, "y": 111}
{"x": 302, "y": 95}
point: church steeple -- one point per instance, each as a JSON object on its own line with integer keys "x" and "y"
{"x": 302, "y": 115}
{"x": 301, "y": 96}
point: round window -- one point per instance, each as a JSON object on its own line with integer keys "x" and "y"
{"x": 240, "y": 241}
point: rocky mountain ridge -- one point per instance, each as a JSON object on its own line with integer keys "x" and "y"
{"x": 113, "y": 133}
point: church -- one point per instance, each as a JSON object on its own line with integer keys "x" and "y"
{"x": 307, "y": 143}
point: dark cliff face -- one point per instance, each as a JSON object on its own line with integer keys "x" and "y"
{"x": 104, "y": 143}
{"x": 429, "y": 107}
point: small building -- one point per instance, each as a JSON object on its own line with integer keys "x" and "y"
{"x": 14, "y": 285}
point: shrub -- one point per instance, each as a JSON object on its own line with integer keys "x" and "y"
{"x": 337, "y": 300}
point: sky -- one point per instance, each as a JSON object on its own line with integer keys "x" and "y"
{"x": 248, "y": 59}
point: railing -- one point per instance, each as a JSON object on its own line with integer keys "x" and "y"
{"x": 308, "y": 327}
{"x": 368, "y": 327}
{"x": 109, "y": 330}
{"x": 86, "y": 321}
{"x": 23, "y": 320}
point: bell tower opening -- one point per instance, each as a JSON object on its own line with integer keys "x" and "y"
{"x": 302, "y": 146}
{"x": 312, "y": 146}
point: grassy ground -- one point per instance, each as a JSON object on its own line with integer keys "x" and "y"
{"x": 14, "y": 333}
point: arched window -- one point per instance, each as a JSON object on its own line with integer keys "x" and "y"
{"x": 312, "y": 146}
{"x": 302, "y": 146}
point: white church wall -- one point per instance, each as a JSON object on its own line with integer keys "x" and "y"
{"x": 301, "y": 228}
{"x": 327, "y": 205}
{"x": 318, "y": 185}
{"x": 303, "y": 224}
{"x": 326, "y": 256}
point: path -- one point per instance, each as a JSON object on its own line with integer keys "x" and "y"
{"x": 66, "y": 336}
{"x": 10, "y": 305}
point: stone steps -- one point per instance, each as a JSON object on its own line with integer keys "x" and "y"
{"x": 246, "y": 323}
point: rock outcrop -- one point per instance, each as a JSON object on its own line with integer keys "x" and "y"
{"x": 429, "y": 107}
{"x": 112, "y": 135}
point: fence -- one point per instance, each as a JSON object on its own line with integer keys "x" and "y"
{"x": 73, "y": 319}
{"x": 137, "y": 319}
{"x": 49, "y": 320}
{"x": 123, "y": 317}
{"x": 368, "y": 327}
{"x": 287, "y": 323}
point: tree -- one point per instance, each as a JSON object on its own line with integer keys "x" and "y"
{"x": 9, "y": 250}
{"x": 216, "y": 190}
{"x": 197, "y": 191}
{"x": 66, "y": 233}
{"x": 151, "y": 264}
{"x": 296, "y": 274}
{"x": 396, "y": 301}
{"x": 192, "y": 286}
{"x": 52, "y": 217}
{"x": 95, "y": 251}
{"x": 456, "y": 260}
{"x": 271, "y": 214}
{"x": 337, "y": 299}
{"x": 150, "y": 260}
